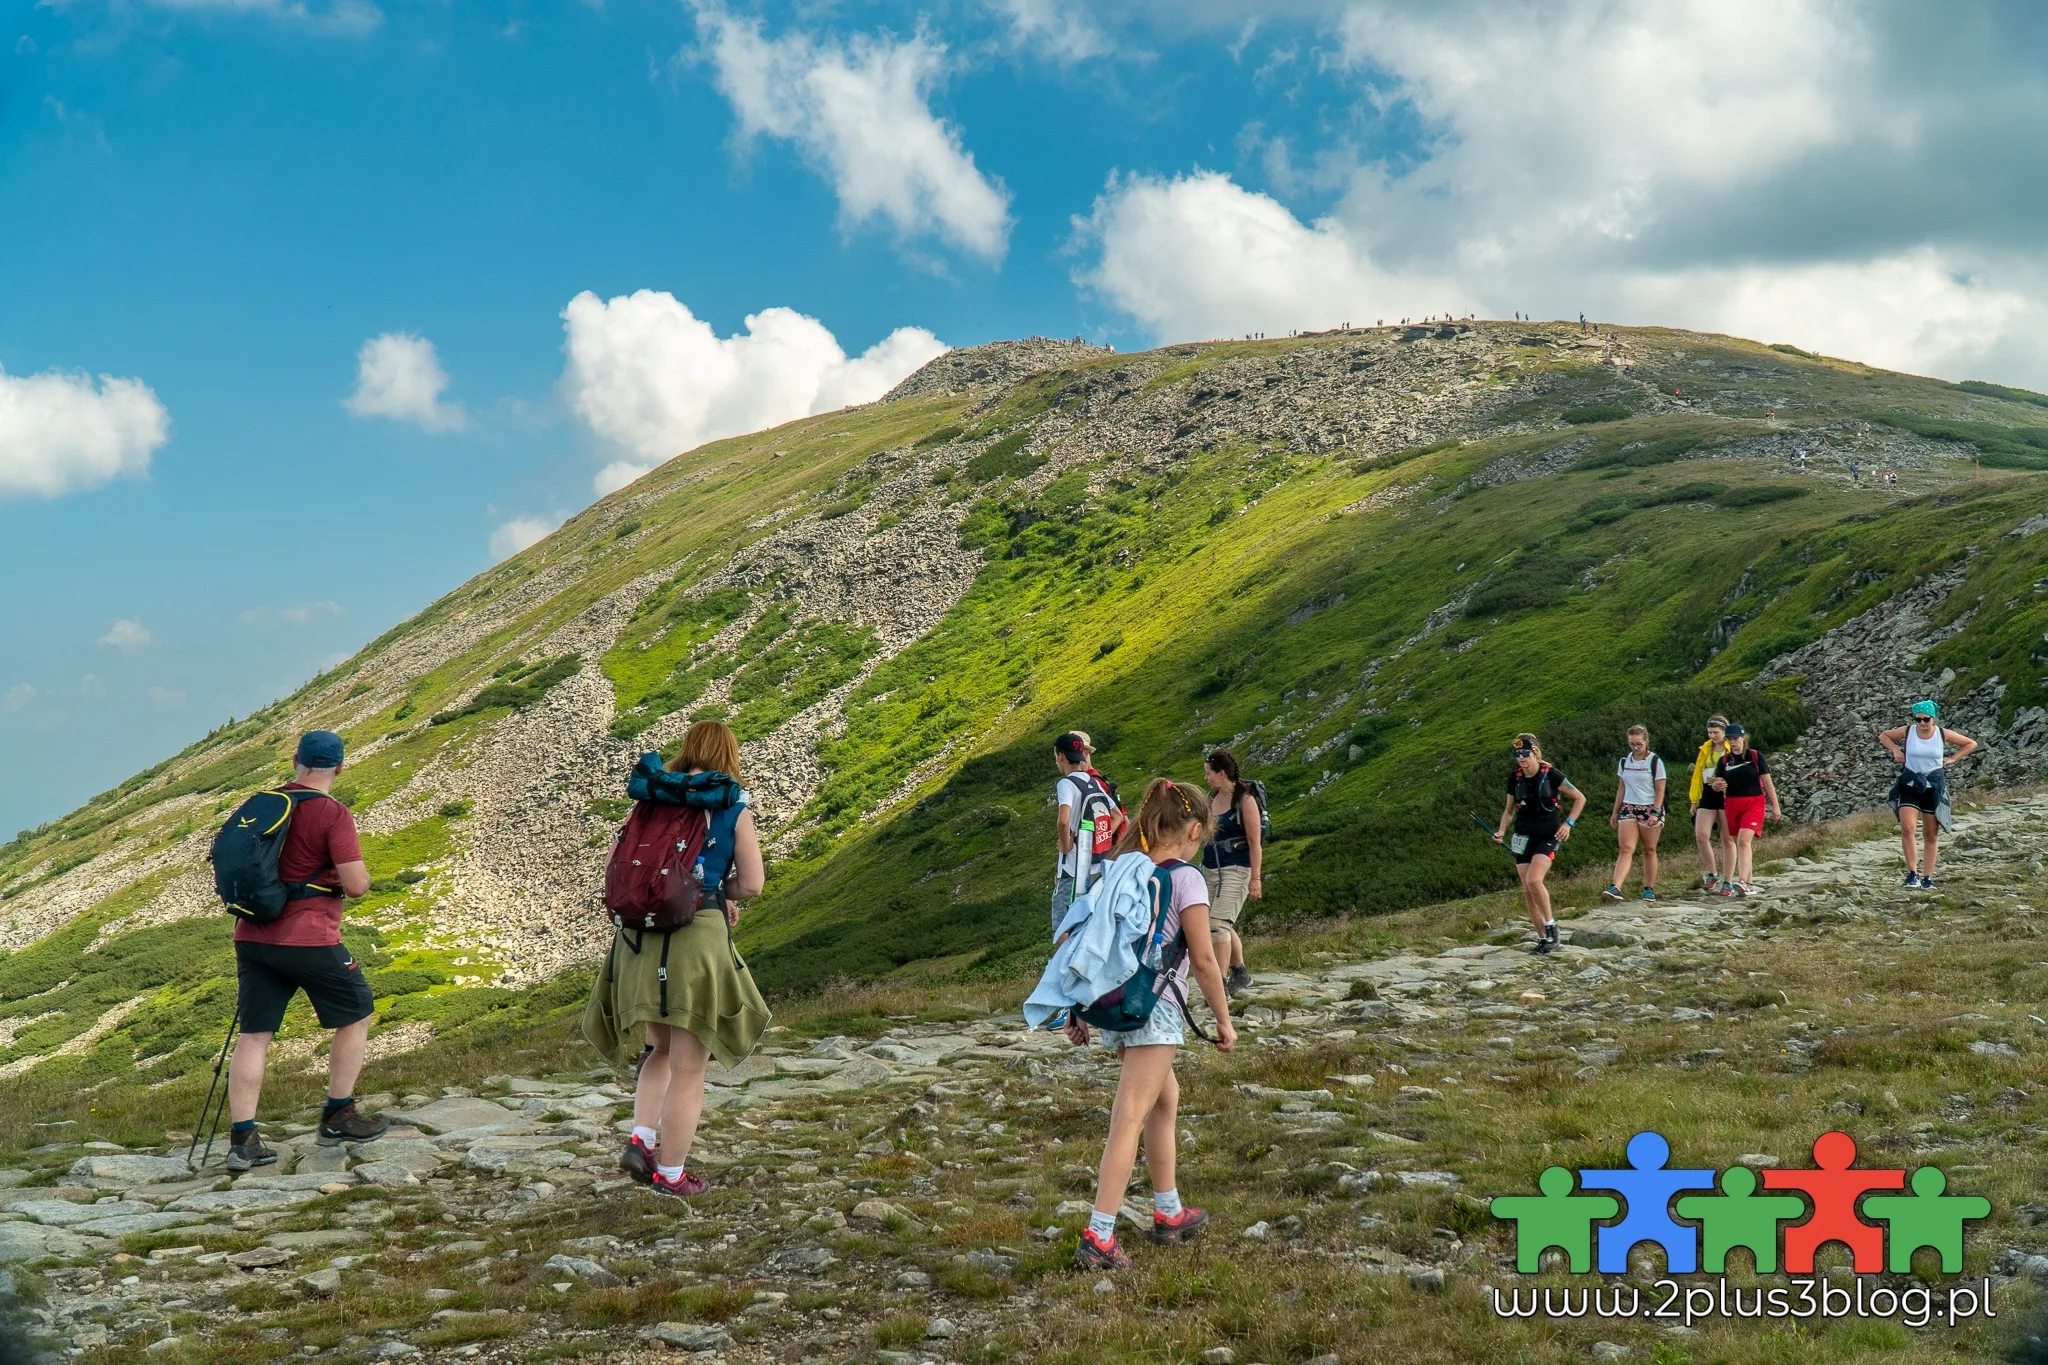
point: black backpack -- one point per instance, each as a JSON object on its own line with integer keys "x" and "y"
{"x": 1258, "y": 791}
{"x": 245, "y": 856}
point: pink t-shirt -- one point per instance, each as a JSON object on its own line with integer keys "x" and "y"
{"x": 1188, "y": 889}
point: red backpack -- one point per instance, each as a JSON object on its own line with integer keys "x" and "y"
{"x": 1099, "y": 803}
{"x": 649, "y": 884}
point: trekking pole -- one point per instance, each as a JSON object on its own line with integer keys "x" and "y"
{"x": 1488, "y": 829}
{"x": 219, "y": 1063}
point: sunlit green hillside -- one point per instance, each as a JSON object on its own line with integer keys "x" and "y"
{"x": 1363, "y": 560}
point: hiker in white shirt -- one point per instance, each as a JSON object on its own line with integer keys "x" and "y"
{"x": 1638, "y": 815}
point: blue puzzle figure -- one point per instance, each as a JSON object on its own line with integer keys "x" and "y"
{"x": 1648, "y": 1188}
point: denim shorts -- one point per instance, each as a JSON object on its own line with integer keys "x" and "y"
{"x": 1166, "y": 1028}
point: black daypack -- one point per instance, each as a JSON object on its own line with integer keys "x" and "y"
{"x": 245, "y": 854}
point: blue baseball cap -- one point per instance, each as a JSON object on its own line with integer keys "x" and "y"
{"x": 319, "y": 749}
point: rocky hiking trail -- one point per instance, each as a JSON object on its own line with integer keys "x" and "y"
{"x": 916, "y": 1197}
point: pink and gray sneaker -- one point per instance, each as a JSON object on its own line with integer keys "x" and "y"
{"x": 1180, "y": 1227}
{"x": 637, "y": 1160}
{"x": 685, "y": 1186}
{"x": 1096, "y": 1254}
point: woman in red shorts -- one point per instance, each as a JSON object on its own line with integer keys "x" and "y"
{"x": 1744, "y": 780}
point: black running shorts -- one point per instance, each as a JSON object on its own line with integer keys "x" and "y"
{"x": 1534, "y": 844}
{"x": 330, "y": 977}
{"x": 1711, "y": 799}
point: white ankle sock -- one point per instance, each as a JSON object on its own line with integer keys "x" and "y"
{"x": 1166, "y": 1203}
{"x": 1103, "y": 1225}
{"x": 646, "y": 1135}
{"x": 670, "y": 1172}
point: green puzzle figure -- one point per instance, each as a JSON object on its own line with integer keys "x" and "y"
{"x": 1926, "y": 1218}
{"x": 1739, "y": 1217}
{"x": 1556, "y": 1218}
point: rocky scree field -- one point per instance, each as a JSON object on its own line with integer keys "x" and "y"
{"x": 1362, "y": 559}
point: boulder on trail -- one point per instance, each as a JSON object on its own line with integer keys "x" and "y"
{"x": 126, "y": 1169}
{"x": 453, "y": 1114}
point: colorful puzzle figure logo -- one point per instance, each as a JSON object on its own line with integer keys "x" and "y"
{"x": 1738, "y": 1216}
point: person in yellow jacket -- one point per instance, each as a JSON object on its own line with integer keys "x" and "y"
{"x": 1707, "y": 805}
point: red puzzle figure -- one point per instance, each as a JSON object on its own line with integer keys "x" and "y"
{"x": 1834, "y": 1189}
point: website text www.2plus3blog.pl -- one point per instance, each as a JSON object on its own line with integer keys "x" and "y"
{"x": 1672, "y": 1301}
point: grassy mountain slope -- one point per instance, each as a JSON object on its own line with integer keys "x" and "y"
{"x": 1362, "y": 560}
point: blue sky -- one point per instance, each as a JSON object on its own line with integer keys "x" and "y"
{"x": 282, "y": 309}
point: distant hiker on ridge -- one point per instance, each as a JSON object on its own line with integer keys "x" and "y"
{"x": 320, "y": 862}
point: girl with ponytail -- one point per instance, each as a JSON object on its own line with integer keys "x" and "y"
{"x": 1171, "y": 826}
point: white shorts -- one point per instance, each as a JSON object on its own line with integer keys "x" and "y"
{"x": 1166, "y": 1028}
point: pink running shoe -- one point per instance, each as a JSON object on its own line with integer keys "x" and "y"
{"x": 685, "y": 1186}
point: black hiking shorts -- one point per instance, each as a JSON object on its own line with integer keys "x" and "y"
{"x": 330, "y": 977}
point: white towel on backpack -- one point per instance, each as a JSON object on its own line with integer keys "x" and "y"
{"x": 1100, "y": 941}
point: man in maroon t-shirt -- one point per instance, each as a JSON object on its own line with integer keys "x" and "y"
{"x": 301, "y": 950}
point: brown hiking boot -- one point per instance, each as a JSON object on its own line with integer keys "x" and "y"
{"x": 351, "y": 1125}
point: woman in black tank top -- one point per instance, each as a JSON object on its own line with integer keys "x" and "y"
{"x": 1533, "y": 811}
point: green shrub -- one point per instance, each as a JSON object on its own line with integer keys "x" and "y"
{"x": 2001, "y": 447}
{"x": 1645, "y": 454}
{"x": 409, "y": 981}
{"x": 1601, "y": 511}
{"x": 1786, "y": 348}
{"x": 937, "y": 438}
{"x": 519, "y": 686}
{"x": 1780, "y": 642}
{"x": 2011, "y": 395}
{"x": 1595, "y": 412}
{"x": 1004, "y": 460}
{"x": 1684, "y": 492}
{"x": 1761, "y": 494}
{"x": 1531, "y": 581}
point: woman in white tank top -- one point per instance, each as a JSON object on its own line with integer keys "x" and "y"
{"x": 1920, "y": 792}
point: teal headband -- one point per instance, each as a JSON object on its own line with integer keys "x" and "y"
{"x": 1926, "y": 708}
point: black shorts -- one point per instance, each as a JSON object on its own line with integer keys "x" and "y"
{"x": 1710, "y": 799}
{"x": 1925, "y": 799}
{"x": 1535, "y": 844}
{"x": 330, "y": 977}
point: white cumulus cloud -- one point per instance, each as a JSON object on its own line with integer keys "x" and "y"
{"x": 399, "y": 376}
{"x": 16, "y": 697}
{"x": 617, "y": 475}
{"x": 1644, "y": 164}
{"x": 60, "y": 433}
{"x": 127, "y": 633}
{"x": 860, "y": 111}
{"x": 649, "y": 376}
{"x": 1062, "y": 29}
{"x": 518, "y": 533}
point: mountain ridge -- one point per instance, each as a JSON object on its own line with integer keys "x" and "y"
{"x": 1329, "y": 550}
